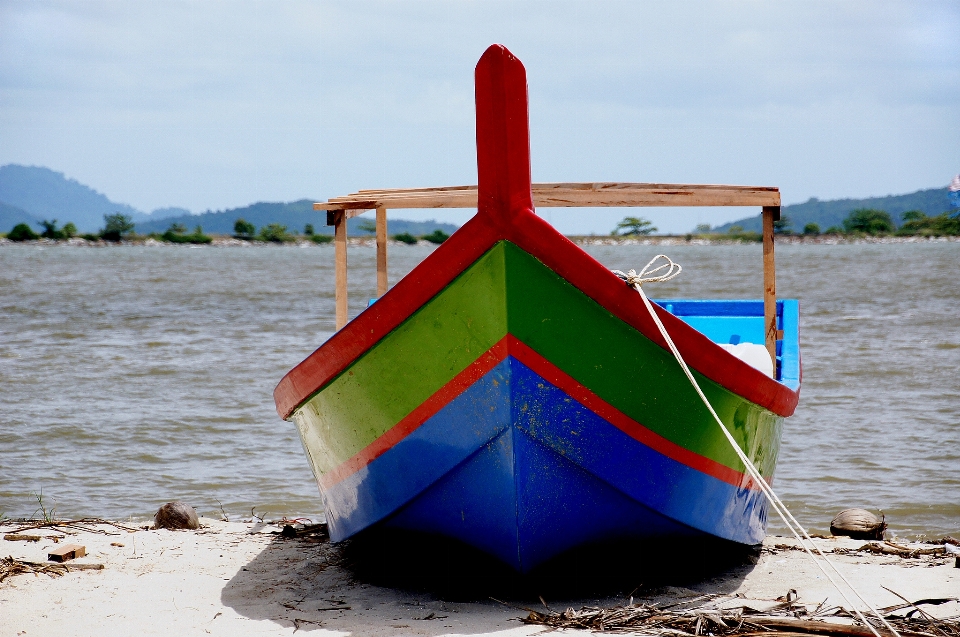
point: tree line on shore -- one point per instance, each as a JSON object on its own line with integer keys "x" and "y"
{"x": 860, "y": 222}
{"x": 120, "y": 227}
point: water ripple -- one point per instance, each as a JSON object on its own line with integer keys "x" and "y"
{"x": 132, "y": 376}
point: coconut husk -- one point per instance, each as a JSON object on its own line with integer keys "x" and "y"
{"x": 176, "y": 515}
{"x": 858, "y": 524}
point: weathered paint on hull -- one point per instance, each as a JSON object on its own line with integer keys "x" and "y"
{"x": 512, "y": 405}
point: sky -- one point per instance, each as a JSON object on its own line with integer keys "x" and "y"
{"x": 213, "y": 105}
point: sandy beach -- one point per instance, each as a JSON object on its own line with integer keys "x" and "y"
{"x": 231, "y": 578}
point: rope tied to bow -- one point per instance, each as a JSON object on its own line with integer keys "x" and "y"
{"x": 670, "y": 269}
{"x": 648, "y": 274}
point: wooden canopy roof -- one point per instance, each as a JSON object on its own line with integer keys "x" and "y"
{"x": 562, "y": 195}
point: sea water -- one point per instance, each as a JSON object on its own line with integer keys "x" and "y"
{"x": 135, "y": 375}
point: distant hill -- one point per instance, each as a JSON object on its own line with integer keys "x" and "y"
{"x": 11, "y": 216}
{"x": 295, "y": 215}
{"x": 45, "y": 194}
{"x": 932, "y": 202}
{"x": 31, "y": 194}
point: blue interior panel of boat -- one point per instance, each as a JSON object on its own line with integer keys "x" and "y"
{"x": 741, "y": 321}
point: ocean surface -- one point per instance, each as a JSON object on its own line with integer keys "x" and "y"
{"x": 131, "y": 376}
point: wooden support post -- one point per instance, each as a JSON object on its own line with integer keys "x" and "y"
{"x": 381, "y": 251}
{"x": 340, "y": 266}
{"x": 770, "y": 214}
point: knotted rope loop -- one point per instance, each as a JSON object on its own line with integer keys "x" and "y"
{"x": 649, "y": 274}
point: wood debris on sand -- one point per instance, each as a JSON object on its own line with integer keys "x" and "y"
{"x": 10, "y": 566}
{"x": 709, "y": 619}
{"x": 21, "y": 537}
{"x": 71, "y": 527}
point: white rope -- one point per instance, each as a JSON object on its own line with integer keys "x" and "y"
{"x": 648, "y": 275}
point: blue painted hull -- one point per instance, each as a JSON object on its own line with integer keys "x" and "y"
{"x": 516, "y": 467}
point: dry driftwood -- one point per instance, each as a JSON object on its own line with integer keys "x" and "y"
{"x": 889, "y": 548}
{"x": 20, "y": 537}
{"x": 70, "y": 526}
{"x": 780, "y": 621}
{"x": 10, "y": 566}
{"x": 859, "y": 524}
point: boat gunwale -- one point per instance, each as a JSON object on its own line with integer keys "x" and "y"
{"x": 580, "y": 269}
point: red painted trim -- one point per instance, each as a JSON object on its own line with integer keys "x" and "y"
{"x": 409, "y": 423}
{"x": 433, "y": 274}
{"x": 529, "y": 357}
{"x": 503, "y": 156}
{"x": 511, "y": 345}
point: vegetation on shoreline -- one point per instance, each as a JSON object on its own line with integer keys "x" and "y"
{"x": 862, "y": 222}
{"x": 177, "y": 233}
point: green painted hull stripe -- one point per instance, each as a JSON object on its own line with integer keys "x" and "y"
{"x": 508, "y": 290}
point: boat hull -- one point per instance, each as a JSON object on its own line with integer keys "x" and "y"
{"x": 514, "y": 412}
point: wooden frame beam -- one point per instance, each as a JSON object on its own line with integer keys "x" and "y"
{"x": 562, "y": 195}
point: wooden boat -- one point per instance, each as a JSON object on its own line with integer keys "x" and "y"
{"x": 512, "y": 393}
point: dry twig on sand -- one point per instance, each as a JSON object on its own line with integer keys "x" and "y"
{"x": 84, "y": 524}
{"x": 10, "y": 566}
{"x": 708, "y": 619}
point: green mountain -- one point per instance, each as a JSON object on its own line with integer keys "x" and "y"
{"x": 45, "y": 194}
{"x": 931, "y": 202}
{"x": 295, "y": 215}
{"x": 30, "y": 194}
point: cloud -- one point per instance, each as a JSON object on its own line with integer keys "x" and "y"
{"x": 217, "y": 104}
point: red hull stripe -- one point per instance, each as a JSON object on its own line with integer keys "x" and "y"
{"x": 511, "y": 345}
{"x": 525, "y": 354}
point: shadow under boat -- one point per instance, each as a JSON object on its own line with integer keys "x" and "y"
{"x": 383, "y": 576}
{"x": 442, "y": 566}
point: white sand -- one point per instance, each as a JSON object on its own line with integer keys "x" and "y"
{"x": 238, "y": 579}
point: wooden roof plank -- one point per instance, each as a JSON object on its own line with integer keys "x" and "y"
{"x": 566, "y": 195}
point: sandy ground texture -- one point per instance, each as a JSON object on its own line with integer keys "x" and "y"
{"x": 246, "y": 579}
